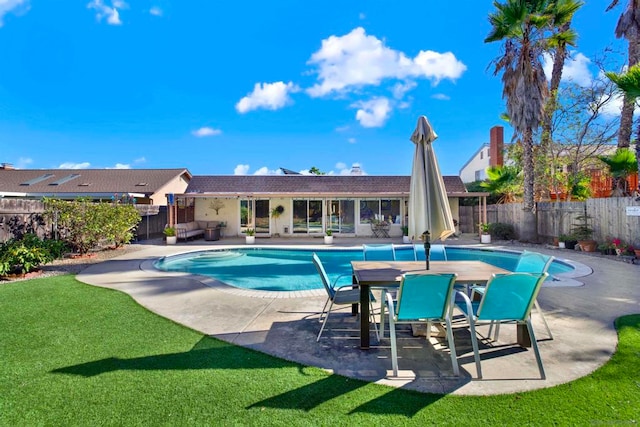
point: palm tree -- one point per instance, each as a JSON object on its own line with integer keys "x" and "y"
{"x": 628, "y": 27}
{"x": 621, "y": 164}
{"x": 629, "y": 84}
{"x": 525, "y": 28}
{"x": 505, "y": 182}
{"x": 566, "y": 37}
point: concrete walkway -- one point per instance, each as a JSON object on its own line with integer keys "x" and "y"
{"x": 285, "y": 325}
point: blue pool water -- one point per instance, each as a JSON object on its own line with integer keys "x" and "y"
{"x": 274, "y": 269}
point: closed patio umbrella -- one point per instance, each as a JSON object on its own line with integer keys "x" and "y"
{"x": 429, "y": 208}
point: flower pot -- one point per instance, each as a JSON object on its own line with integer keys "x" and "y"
{"x": 588, "y": 245}
{"x": 328, "y": 240}
{"x": 570, "y": 244}
{"x": 485, "y": 238}
{"x": 172, "y": 240}
{"x": 250, "y": 240}
{"x": 406, "y": 239}
{"x": 637, "y": 252}
{"x": 561, "y": 245}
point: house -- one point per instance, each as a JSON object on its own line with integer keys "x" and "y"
{"x": 309, "y": 204}
{"x": 142, "y": 186}
{"x": 489, "y": 154}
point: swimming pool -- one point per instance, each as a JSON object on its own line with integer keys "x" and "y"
{"x": 278, "y": 269}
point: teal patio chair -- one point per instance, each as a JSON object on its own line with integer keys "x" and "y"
{"x": 382, "y": 252}
{"x": 531, "y": 262}
{"x": 343, "y": 295}
{"x": 436, "y": 252}
{"x": 506, "y": 298}
{"x": 422, "y": 297}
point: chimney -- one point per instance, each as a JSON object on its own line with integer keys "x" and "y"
{"x": 496, "y": 146}
{"x": 7, "y": 166}
{"x": 355, "y": 169}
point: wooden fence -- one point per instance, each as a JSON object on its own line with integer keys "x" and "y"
{"x": 18, "y": 216}
{"x": 608, "y": 218}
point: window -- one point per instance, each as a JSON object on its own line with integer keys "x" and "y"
{"x": 380, "y": 210}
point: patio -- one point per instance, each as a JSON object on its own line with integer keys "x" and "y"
{"x": 581, "y": 319}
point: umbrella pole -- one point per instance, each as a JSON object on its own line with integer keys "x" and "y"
{"x": 427, "y": 246}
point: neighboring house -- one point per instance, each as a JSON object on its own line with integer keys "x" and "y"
{"x": 347, "y": 205}
{"x": 489, "y": 154}
{"x": 146, "y": 186}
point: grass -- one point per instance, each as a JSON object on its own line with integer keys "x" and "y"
{"x": 73, "y": 354}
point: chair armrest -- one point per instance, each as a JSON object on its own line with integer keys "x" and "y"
{"x": 338, "y": 278}
{"x": 466, "y": 301}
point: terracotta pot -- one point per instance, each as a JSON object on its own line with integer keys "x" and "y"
{"x": 637, "y": 252}
{"x": 588, "y": 245}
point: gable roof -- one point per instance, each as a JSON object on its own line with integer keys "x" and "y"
{"x": 53, "y": 182}
{"x": 311, "y": 185}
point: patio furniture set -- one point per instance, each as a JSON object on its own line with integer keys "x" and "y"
{"x": 411, "y": 293}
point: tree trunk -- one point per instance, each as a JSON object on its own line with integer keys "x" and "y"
{"x": 626, "y": 117}
{"x": 528, "y": 229}
{"x": 544, "y": 173}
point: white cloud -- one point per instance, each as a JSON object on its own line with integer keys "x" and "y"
{"x": 110, "y": 12}
{"x": 241, "y": 170}
{"x": 270, "y": 96}
{"x": 341, "y": 165}
{"x": 441, "y": 96}
{"x": 401, "y": 88}
{"x": 23, "y": 162}
{"x": 15, "y": 6}
{"x": 155, "y": 11}
{"x": 576, "y": 68}
{"x": 356, "y": 59}
{"x": 206, "y": 131}
{"x": 140, "y": 160}
{"x": 355, "y": 169}
{"x": 372, "y": 113}
{"x": 266, "y": 171}
{"x": 71, "y": 165}
{"x": 613, "y": 108}
{"x": 121, "y": 166}
{"x": 351, "y": 140}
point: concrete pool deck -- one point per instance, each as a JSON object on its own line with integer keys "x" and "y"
{"x": 581, "y": 319}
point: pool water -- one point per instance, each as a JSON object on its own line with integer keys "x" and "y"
{"x": 273, "y": 269}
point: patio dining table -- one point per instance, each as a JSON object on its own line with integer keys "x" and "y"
{"x": 388, "y": 274}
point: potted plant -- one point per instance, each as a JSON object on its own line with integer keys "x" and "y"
{"x": 275, "y": 214}
{"x": 405, "y": 234}
{"x": 583, "y": 232}
{"x": 485, "y": 237}
{"x": 170, "y": 233}
{"x": 250, "y": 237}
{"x": 328, "y": 238}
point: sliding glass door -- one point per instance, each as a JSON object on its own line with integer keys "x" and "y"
{"x": 254, "y": 214}
{"x": 341, "y": 216}
{"x": 307, "y": 216}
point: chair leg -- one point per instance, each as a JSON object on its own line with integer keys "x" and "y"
{"x": 534, "y": 344}
{"x": 322, "y": 313}
{"x": 546, "y": 325}
{"x": 325, "y": 321}
{"x": 452, "y": 347}
{"x": 382, "y": 310}
{"x": 474, "y": 343}
{"x": 394, "y": 348}
{"x": 373, "y": 320}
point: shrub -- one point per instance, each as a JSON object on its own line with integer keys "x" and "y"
{"x": 502, "y": 231}
{"x": 24, "y": 255}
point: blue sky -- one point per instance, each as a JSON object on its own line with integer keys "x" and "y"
{"x": 223, "y": 87}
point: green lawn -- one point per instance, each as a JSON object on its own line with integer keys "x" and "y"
{"x": 73, "y": 354}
